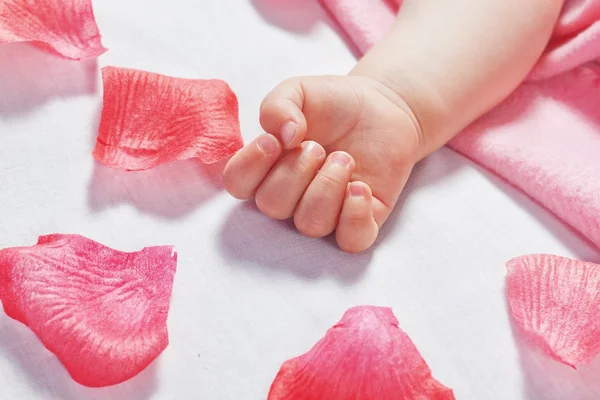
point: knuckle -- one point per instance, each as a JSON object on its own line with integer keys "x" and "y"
{"x": 311, "y": 225}
{"x": 289, "y": 83}
{"x": 330, "y": 181}
{"x": 239, "y": 194}
{"x": 234, "y": 188}
{"x": 351, "y": 242}
{"x": 350, "y": 246}
{"x": 303, "y": 165}
{"x": 269, "y": 206}
{"x": 269, "y": 111}
{"x": 356, "y": 216}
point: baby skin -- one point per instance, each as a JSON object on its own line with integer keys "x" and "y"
{"x": 338, "y": 150}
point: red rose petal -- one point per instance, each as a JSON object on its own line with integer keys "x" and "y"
{"x": 102, "y": 312}
{"x": 556, "y": 301}
{"x": 66, "y": 27}
{"x": 150, "y": 119}
{"x": 365, "y": 356}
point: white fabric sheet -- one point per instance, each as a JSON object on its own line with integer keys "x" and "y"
{"x": 249, "y": 292}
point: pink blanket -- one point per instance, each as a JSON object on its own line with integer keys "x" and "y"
{"x": 545, "y": 138}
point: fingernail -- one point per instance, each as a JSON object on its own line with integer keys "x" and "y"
{"x": 288, "y": 132}
{"x": 314, "y": 149}
{"x": 341, "y": 159}
{"x": 267, "y": 144}
{"x": 357, "y": 190}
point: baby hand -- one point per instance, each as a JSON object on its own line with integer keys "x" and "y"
{"x": 337, "y": 153}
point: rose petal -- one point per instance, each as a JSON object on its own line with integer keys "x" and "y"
{"x": 65, "y": 27}
{"x": 365, "y": 356}
{"x": 150, "y": 119}
{"x": 102, "y": 312}
{"x": 556, "y": 301}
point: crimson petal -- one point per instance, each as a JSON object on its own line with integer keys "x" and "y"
{"x": 65, "y": 27}
{"x": 102, "y": 312}
{"x": 150, "y": 119}
{"x": 365, "y": 356}
{"x": 556, "y": 302}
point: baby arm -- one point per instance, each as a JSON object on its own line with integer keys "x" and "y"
{"x": 454, "y": 60}
{"x": 338, "y": 150}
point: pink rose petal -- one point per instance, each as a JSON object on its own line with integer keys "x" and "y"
{"x": 365, "y": 356}
{"x": 101, "y": 311}
{"x": 65, "y": 27}
{"x": 150, "y": 119}
{"x": 556, "y": 301}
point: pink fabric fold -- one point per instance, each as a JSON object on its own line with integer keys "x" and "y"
{"x": 545, "y": 138}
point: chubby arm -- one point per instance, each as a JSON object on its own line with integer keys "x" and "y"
{"x": 451, "y": 61}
